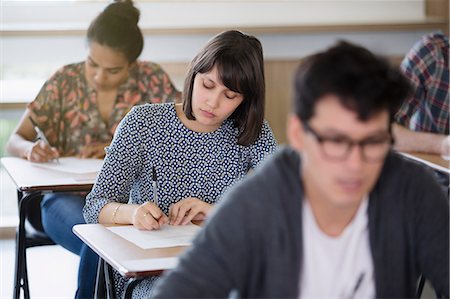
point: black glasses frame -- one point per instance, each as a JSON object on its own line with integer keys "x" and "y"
{"x": 350, "y": 144}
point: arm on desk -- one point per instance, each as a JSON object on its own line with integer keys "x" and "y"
{"x": 20, "y": 143}
{"x": 412, "y": 141}
{"x": 146, "y": 216}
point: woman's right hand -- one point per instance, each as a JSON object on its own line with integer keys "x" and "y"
{"x": 41, "y": 152}
{"x": 148, "y": 217}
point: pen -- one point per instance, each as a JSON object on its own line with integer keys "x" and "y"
{"x": 357, "y": 285}
{"x": 155, "y": 187}
{"x": 40, "y": 134}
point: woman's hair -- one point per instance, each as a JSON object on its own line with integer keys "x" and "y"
{"x": 117, "y": 27}
{"x": 239, "y": 61}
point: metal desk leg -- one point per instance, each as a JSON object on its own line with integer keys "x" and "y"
{"x": 109, "y": 279}
{"x": 100, "y": 281}
{"x": 20, "y": 277}
{"x": 104, "y": 282}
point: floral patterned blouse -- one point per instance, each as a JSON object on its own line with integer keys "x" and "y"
{"x": 66, "y": 109}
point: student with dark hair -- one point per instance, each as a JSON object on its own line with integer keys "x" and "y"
{"x": 79, "y": 108}
{"x": 337, "y": 213}
{"x": 198, "y": 148}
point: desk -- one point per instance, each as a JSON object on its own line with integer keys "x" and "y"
{"x": 30, "y": 177}
{"x": 432, "y": 160}
{"x": 129, "y": 259}
{"x": 31, "y": 182}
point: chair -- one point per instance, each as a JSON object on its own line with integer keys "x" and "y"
{"x": 30, "y": 233}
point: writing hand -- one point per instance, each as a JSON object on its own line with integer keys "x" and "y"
{"x": 188, "y": 209}
{"x": 148, "y": 217}
{"x": 41, "y": 152}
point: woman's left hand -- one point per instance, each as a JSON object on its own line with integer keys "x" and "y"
{"x": 188, "y": 209}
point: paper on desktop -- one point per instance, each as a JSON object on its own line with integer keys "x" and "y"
{"x": 73, "y": 165}
{"x": 167, "y": 236}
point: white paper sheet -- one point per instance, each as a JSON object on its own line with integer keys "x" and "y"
{"x": 73, "y": 165}
{"x": 167, "y": 236}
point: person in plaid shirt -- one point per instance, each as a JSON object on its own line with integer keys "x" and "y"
{"x": 422, "y": 122}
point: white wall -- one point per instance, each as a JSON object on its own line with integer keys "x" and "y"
{"x": 212, "y": 13}
{"x": 35, "y": 55}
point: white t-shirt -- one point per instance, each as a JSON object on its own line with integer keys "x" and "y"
{"x": 337, "y": 267}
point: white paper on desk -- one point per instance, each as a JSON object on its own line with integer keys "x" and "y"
{"x": 167, "y": 236}
{"x": 73, "y": 165}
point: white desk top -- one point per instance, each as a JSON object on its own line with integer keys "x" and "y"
{"x": 29, "y": 176}
{"x": 129, "y": 259}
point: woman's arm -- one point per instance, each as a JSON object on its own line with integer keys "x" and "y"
{"x": 412, "y": 141}
{"x": 122, "y": 167}
{"x": 146, "y": 216}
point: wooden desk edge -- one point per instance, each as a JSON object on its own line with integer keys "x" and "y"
{"x": 422, "y": 159}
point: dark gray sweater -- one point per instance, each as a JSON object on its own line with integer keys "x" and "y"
{"x": 253, "y": 243}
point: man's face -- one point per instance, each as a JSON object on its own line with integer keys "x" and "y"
{"x": 337, "y": 172}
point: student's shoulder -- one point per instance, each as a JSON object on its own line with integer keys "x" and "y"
{"x": 266, "y": 193}
{"x": 406, "y": 173}
{"x": 149, "y": 67}
{"x": 69, "y": 70}
{"x": 153, "y": 112}
{"x": 434, "y": 39}
{"x": 148, "y": 118}
{"x": 278, "y": 173}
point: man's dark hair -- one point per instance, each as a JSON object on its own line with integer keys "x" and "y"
{"x": 362, "y": 81}
{"x": 117, "y": 27}
{"x": 239, "y": 61}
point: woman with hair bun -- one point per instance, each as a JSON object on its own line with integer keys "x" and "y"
{"x": 79, "y": 108}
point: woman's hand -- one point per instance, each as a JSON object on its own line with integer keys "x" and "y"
{"x": 148, "y": 217}
{"x": 41, "y": 152}
{"x": 188, "y": 209}
{"x": 93, "y": 150}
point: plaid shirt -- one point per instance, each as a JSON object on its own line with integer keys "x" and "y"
{"x": 426, "y": 66}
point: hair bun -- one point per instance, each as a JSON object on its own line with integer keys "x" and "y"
{"x": 123, "y": 9}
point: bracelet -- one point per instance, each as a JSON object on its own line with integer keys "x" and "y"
{"x": 113, "y": 220}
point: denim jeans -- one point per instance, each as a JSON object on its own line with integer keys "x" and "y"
{"x": 60, "y": 212}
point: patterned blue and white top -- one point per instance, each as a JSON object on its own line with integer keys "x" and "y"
{"x": 188, "y": 163}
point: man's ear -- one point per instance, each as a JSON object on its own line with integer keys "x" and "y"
{"x": 295, "y": 132}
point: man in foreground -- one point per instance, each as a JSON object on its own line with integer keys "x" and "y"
{"x": 335, "y": 214}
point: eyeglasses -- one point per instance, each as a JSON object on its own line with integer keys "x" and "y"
{"x": 338, "y": 148}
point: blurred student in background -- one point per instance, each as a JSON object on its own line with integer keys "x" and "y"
{"x": 422, "y": 122}
{"x": 79, "y": 108}
{"x": 337, "y": 214}
{"x": 198, "y": 149}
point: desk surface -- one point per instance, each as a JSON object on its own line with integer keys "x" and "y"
{"x": 29, "y": 177}
{"x": 432, "y": 160}
{"x": 129, "y": 259}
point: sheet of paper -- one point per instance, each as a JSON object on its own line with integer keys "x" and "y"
{"x": 73, "y": 165}
{"x": 167, "y": 236}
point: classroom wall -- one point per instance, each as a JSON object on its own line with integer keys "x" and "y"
{"x": 37, "y": 38}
